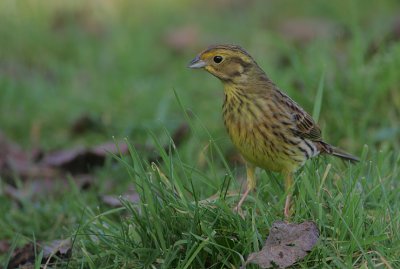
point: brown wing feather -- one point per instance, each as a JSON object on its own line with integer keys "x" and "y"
{"x": 304, "y": 124}
{"x": 306, "y": 127}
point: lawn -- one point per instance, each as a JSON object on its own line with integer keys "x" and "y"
{"x": 122, "y": 66}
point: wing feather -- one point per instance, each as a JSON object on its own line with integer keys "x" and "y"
{"x": 303, "y": 124}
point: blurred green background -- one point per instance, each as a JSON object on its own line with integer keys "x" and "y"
{"x": 119, "y": 62}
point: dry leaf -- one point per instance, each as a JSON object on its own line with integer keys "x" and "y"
{"x": 16, "y": 162}
{"x": 43, "y": 187}
{"x": 81, "y": 160}
{"x": 22, "y": 256}
{"x": 286, "y": 244}
{"x": 13, "y": 160}
{"x": 61, "y": 248}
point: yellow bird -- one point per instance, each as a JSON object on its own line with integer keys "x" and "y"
{"x": 270, "y": 130}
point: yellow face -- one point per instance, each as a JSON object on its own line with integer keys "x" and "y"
{"x": 226, "y": 62}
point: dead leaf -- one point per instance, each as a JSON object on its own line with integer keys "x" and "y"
{"x": 22, "y": 256}
{"x": 60, "y": 248}
{"x": 43, "y": 187}
{"x": 111, "y": 148}
{"x": 77, "y": 160}
{"x": 9, "y": 150}
{"x": 286, "y": 244}
{"x": 16, "y": 162}
{"x": 13, "y": 160}
{"x": 81, "y": 160}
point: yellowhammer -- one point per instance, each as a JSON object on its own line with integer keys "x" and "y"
{"x": 268, "y": 128}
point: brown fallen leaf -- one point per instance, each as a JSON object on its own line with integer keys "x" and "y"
{"x": 40, "y": 165}
{"x": 286, "y": 244}
{"x": 16, "y": 162}
{"x": 22, "y": 256}
{"x": 10, "y": 152}
{"x": 81, "y": 160}
{"x": 43, "y": 187}
{"x": 60, "y": 248}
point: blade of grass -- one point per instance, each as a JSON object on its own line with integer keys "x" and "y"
{"x": 318, "y": 98}
{"x": 195, "y": 252}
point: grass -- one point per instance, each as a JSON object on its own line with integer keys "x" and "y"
{"x": 172, "y": 228}
{"x": 109, "y": 60}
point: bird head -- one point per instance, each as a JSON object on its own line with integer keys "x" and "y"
{"x": 229, "y": 63}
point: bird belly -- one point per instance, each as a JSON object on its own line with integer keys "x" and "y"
{"x": 266, "y": 149}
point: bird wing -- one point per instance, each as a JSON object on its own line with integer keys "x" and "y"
{"x": 303, "y": 124}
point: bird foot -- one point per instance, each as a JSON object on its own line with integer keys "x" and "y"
{"x": 238, "y": 209}
{"x": 288, "y": 211}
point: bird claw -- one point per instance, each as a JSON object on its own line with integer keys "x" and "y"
{"x": 288, "y": 208}
{"x": 239, "y": 211}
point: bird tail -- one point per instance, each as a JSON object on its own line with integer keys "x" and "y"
{"x": 332, "y": 150}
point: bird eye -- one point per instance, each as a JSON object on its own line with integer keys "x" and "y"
{"x": 217, "y": 59}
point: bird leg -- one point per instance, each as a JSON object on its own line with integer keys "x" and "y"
{"x": 251, "y": 184}
{"x": 288, "y": 189}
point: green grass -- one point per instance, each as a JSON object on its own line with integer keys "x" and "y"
{"x": 171, "y": 227}
{"x": 59, "y": 60}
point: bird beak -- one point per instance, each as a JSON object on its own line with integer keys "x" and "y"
{"x": 197, "y": 63}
